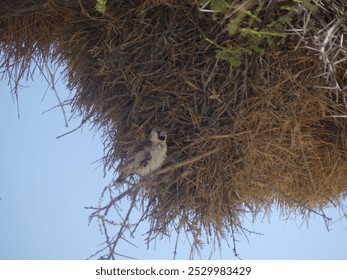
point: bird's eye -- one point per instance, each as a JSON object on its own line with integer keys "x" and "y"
{"x": 160, "y": 136}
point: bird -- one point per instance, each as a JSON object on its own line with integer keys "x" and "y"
{"x": 146, "y": 157}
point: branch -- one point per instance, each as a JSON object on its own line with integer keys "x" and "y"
{"x": 187, "y": 161}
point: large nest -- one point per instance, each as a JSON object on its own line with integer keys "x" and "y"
{"x": 271, "y": 129}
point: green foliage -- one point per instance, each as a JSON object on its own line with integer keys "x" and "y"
{"x": 232, "y": 55}
{"x": 100, "y": 6}
{"x": 253, "y": 23}
{"x": 218, "y": 5}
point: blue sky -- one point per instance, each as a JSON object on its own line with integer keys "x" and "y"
{"x": 45, "y": 183}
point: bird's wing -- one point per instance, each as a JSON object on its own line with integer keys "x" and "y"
{"x": 142, "y": 147}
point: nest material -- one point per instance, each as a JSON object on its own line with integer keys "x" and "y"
{"x": 268, "y": 132}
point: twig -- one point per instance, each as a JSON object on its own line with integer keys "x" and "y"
{"x": 51, "y": 82}
{"x": 187, "y": 161}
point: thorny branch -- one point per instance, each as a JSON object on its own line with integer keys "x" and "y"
{"x": 331, "y": 46}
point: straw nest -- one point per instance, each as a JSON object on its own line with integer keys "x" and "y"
{"x": 270, "y": 130}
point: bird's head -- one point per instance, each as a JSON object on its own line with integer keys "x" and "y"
{"x": 158, "y": 134}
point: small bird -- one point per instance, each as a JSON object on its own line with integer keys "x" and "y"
{"x": 147, "y": 156}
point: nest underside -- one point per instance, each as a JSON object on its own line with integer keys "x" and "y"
{"x": 271, "y": 130}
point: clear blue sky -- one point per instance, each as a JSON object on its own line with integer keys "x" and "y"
{"x": 45, "y": 183}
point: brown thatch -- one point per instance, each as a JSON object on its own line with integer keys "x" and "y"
{"x": 272, "y": 130}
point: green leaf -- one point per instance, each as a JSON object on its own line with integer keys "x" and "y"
{"x": 218, "y": 5}
{"x": 100, "y": 6}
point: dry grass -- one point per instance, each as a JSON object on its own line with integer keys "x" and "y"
{"x": 271, "y": 131}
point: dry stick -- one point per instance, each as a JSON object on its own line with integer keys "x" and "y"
{"x": 51, "y": 81}
{"x": 324, "y": 55}
{"x": 114, "y": 200}
{"x": 97, "y": 252}
{"x": 187, "y": 161}
{"x": 121, "y": 230}
{"x": 107, "y": 207}
{"x": 71, "y": 131}
{"x": 142, "y": 218}
{"x": 117, "y": 198}
{"x": 108, "y": 242}
{"x": 233, "y": 234}
{"x": 176, "y": 244}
